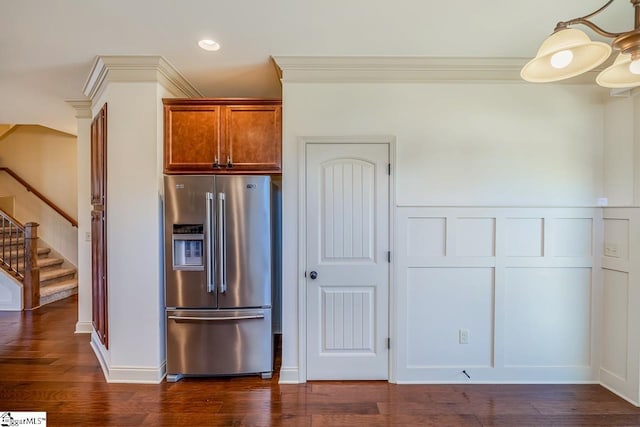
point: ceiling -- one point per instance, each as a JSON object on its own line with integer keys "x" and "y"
{"x": 47, "y": 47}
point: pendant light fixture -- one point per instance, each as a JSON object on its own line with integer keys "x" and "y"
{"x": 569, "y": 52}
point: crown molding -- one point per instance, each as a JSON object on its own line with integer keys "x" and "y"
{"x": 111, "y": 68}
{"x": 398, "y": 69}
{"x": 82, "y": 107}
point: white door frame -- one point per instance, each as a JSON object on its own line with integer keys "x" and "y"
{"x": 302, "y": 241}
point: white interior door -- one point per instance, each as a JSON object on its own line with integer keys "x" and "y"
{"x": 347, "y": 275}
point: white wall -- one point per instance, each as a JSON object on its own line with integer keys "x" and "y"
{"x": 618, "y": 153}
{"x": 133, "y": 88}
{"x": 84, "y": 323}
{"x": 133, "y": 265}
{"x": 469, "y": 144}
{"x": 10, "y": 293}
{"x": 47, "y": 160}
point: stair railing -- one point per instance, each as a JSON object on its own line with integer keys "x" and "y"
{"x": 41, "y": 196}
{"x": 19, "y": 256}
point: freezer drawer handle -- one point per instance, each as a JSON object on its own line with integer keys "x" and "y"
{"x": 211, "y": 287}
{"x": 217, "y": 319}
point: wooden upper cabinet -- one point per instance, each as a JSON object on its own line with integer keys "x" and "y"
{"x": 192, "y": 137}
{"x": 253, "y": 137}
{"x": 222, "y": 136}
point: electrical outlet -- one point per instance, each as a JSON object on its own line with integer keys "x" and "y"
{"x": 87, "y": 236}
{"x": 611, "y": 249}
{"x": 463, "y": 336}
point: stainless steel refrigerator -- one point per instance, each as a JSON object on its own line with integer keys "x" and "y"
{"x": 218, "y": 275}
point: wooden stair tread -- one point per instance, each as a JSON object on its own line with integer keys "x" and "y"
{"x": 49, "y": 262}
{"x": 13, "y": 240}
{"x": 58, "y": 287}
{"x": 55, "y": 274}
{"x": 58, "y": 290}
{"x": 42, "y": 252}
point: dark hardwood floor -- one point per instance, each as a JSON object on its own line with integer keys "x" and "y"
{"x": 45, "y": 367}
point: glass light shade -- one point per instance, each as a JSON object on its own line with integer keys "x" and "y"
{"x": 618, "y": 75}
{"x": 587, "y": 55}
{"x": 209, "y": 45}
{"x": 561, "y": 59}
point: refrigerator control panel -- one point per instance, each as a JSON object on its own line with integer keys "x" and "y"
{"x": 188, "y": 247}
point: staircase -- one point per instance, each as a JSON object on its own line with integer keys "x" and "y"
{"x": 40, "y": 274}
{"x": 56, "y": 280}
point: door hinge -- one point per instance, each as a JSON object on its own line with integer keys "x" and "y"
{"x": 389, "y": 168}
{"x": 389, "y": 343}
{"x": 389, "y": 256}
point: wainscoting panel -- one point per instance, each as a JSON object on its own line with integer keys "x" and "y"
{"x": 525, "y": 237}
{"x": 521, "y": 286}
{"x": 572, "y": 237}
{"x": 616, "y": 232}
{"x": 455, "y": 299}
{"x": 475, "y": 237}
{"x": 547, "y": 317}
{"x": 615, "y": 324}
{"x": 427, "y": 236}
{"x": 620, "y": 365}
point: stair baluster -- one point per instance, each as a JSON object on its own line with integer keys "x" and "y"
{"x": 18, "y": 256}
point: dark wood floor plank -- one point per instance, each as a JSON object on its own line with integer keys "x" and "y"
{"x": 44, "y": 366}
{"x": 395, "y": 420}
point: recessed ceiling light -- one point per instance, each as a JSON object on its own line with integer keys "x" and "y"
{"x": 209, "y": 45}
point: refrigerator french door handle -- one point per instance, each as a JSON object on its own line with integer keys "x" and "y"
{"x": 222, "y": 243}
{"x": 217, "y": 319}
{"x": 211, "y": 287}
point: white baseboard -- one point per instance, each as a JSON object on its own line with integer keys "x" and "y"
{"x": 98, "y": 349}
{"x": 126, "y": 374}
{"x": 620, "y": 394}
{"x": 137, "y": 374}
{"x": 84, "y": 327}
{"x": 290, "y": 376}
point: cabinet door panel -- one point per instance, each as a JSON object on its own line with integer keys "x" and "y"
{"x": 99, "y": 275}
{"x": 253, "y": 137}
{"x": 98, "y": 156}
{"x": 192, "y": 137}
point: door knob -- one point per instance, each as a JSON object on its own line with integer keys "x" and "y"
{"x": 313, "y": 275}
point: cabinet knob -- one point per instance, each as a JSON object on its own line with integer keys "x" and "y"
{"x": 229, "y": 163}
{"x": 215, "y": 162}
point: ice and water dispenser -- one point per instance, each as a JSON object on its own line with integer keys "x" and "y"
{"x": 188, "y": 246}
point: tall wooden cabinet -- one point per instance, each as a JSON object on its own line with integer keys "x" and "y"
{"x": 99, "y": 225}
{"x": 221, "y": 135}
